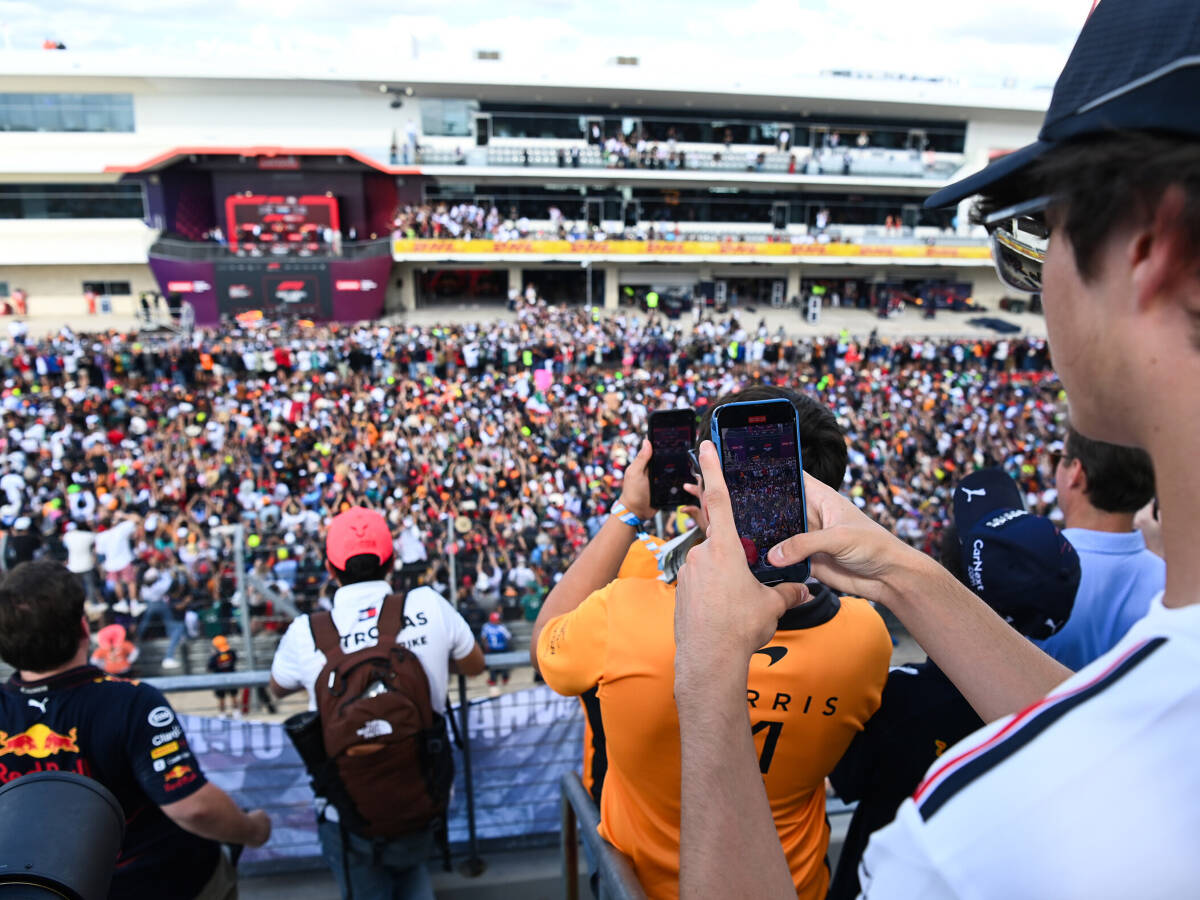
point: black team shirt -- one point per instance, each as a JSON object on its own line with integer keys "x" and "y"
{"x": 126, "y": 736}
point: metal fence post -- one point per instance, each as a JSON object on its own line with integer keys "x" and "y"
{"x": 473, "y": 866}
{"x": 570, "y": 849}
{"x": 239, "y": 565}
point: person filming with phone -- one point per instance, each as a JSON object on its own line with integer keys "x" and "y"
{"x": 1081, "y": 784}
{"x": 809, "y": 690}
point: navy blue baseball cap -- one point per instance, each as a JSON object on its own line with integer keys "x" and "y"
{"x": 1018, "y": 563}
{"x": 1135, "y": 67}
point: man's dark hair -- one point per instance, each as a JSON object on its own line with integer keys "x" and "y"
{"x": 1102, "y": 183}
{"x": 41, "y": 605}
{"x": 822, "y": 442}
{"x": 362, "y": 567}
{"x": 1120, "y": 479}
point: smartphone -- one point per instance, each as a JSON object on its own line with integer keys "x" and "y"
{"x": 759, "y": 446}
{"x": 672, "y": 435}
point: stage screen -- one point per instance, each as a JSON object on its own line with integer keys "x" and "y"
{"x": 259, "y": 218}
{"x": 340, "y": 290}
{"x": 280, "y": 289}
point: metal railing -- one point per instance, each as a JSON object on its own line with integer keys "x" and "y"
{"x": 615, "y": 878}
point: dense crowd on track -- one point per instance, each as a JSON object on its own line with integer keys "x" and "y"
{"x": 126, "y": 455}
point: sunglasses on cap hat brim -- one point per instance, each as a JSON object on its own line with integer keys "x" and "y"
{"x": 1019, "y": 237}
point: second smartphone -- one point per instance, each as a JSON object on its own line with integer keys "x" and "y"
{"x": 672, "y": 435}
{"x": 759, "y": 445}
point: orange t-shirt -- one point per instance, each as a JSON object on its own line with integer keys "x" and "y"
{"x": 810, "y": 691}
{"x": 641, "y": 561}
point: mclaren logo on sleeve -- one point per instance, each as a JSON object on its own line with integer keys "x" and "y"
{"x": 775, "y": 654}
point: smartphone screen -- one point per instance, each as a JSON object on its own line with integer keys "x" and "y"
{"x": 672, "y": 435}
{"x": 759, "y": 443}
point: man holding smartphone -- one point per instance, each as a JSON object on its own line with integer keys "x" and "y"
{"x": 807, "y": 692}
{"x": 1082, "y": 785}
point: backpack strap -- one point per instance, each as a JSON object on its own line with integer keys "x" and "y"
{"x": 391, "y": 618}
{"x": 325, "y": 635}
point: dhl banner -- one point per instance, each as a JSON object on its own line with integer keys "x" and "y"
{"x": 404, "y": 247}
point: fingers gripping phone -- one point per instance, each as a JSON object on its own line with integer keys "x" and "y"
{"x": 759, "y": 446}
{"x": 672, "y": 435}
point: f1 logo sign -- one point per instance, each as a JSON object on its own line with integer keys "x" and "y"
{"x": 188, "y": 287}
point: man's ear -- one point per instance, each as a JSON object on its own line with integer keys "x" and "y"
{"x": 1161, "y": 257}
{"x": 1077, "y": 476}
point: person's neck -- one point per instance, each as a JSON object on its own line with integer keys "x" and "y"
{"x": 1084, "y": 515}
{"x": 79, "y": 659}
{"x": 1178, "y": 482}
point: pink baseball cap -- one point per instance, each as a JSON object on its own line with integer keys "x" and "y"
{"x": 357, "y": 531}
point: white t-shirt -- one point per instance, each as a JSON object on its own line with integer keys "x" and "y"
{"x": 13, "y": 487}
{"x": 1091, "y": 792}
{"x": 411, "y": 546}
{"x": 115, "y": 545}
{"x": 80, "y": 546}
{"x": 433, "y": 631}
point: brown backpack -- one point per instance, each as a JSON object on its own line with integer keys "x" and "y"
{"x": 386, "y": 746}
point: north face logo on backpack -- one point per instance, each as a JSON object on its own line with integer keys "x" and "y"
{"x": 375, "y": 728}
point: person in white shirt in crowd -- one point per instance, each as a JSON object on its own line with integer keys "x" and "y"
{"x": 81, "y": 561}
{"x": 160, "y": 606}
{"x": 359, "y": 555}
{"x": 1100, "y": 489}
{"x": 115, "y": 544}
{"x": 412, "y": 553}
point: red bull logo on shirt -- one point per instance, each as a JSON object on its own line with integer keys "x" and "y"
{"x": 39, "y": 742}
{"x": 177, "y": 776}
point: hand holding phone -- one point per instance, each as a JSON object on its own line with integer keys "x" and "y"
{"x": 759, "y": 446}
{"x": 672, "y": 436}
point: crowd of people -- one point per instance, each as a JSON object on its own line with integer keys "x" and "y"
{"x": 507, "y": 438}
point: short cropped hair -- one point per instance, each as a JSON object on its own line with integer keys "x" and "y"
{"x": 1120, "y": 479}
{"x": 363, "y": 567}
{"x": 41, "y": 607}
{"x": 822, "y": 441}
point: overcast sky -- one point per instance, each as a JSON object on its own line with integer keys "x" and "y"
{"x": 979, "y": 41}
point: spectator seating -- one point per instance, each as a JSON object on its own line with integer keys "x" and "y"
{"x": 863, "y": 162}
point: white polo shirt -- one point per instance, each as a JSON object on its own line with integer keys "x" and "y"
{"x": 433, "y": 631}
{"x": 1091, "y": 792}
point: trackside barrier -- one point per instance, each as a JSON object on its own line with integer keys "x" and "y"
{"x": 519, "y": 743}
{"x": 525, "y": 749}
{"x": 615, "y": 877}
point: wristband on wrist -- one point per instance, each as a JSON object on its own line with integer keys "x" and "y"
{"x": 618, "y": 509}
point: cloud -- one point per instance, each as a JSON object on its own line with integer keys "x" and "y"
{"x": 752, "y": 41}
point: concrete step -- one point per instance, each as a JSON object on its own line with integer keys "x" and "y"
{"x": 528, "y": 874}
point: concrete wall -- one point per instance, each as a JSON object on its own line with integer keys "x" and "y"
{"x": 58, "y": 290}
{"x": 73, "y": 241}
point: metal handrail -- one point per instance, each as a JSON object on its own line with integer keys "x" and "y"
{"x": 617, "y": 880}
{"x": 217, "y": 681}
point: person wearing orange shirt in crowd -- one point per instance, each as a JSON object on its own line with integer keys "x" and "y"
{"x": 114, "y": 654}
{"x": 809, "y": 691}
